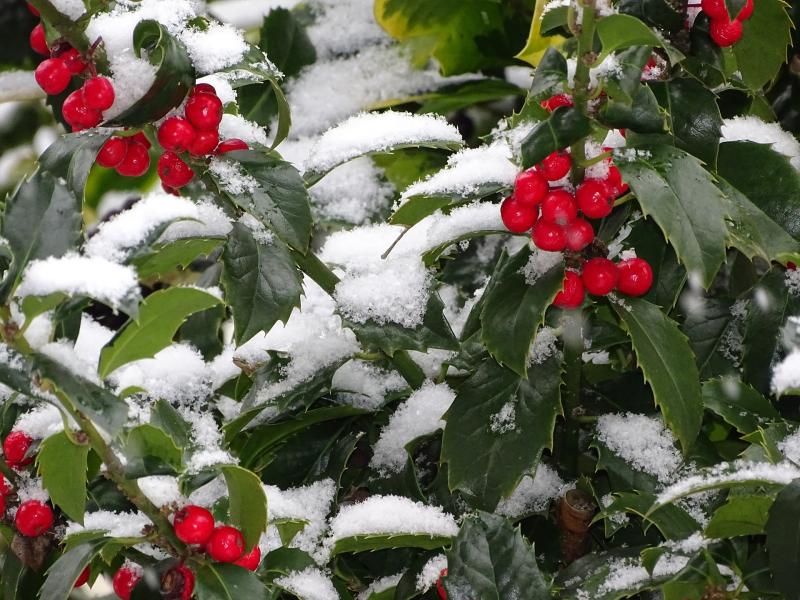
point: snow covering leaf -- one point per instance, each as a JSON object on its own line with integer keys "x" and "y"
{"x": 151, "y": 451}
{"x": 277, "y": 195}
{"x": 620, "y": 31}
{"x": 498, "y": 426}
{"x": 62, "y": 466}
{"x": 490, "y": 560}
{"x": 261, "y": 281}
{"x": 783, "y": 539}
{"x": 160, "y": 316}
{"x": 15, "y": 371}
{"x": 673, "y": 189}
{"x": 666, "y": 361}
{"x": 72, "y": 156}
{"x": 513, "y": 309}
{"x": 738, "y": 404}
{"x": 62, "y": 574}
{"x": 762, "y": 50}
{"x": 384, "y": 541}
{"x": 104, "y": 408}
{"x": 744, "y": 514}
{"x": 564, "y": 127}
{"x": 174, "y": 78}
{"x": 41, "y": 219}
{"x": 672, "y": 521}
{"x": 248, "y": 503}
{"x": 217, "y": 581}
{"x": 163, "y": 258}
{"x": 536, "y": 43}
{"x": 623, "y": 475}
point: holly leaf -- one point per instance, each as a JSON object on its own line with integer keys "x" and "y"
{"x": 536, "y": 43}
{"x": 160, "y": 258}
{"x": 765, "y": 37}
{"x": 62, "y": 466}
{"x": 227, "y": 582}
{"x": 744, "y": 514}
{"x": 668, "y": 366}
{"x": 63, "y": 573}
{"x": 564, "y": 127}
{"x": 738, "y": 404}
{"x": 284, "y": 39}
{"x": 72, "y": 156}
{"x": 620, "y": 31}
{"x": 151, "y": 451}
{"x": 783, "y": 540}
{"x": 247, "y": 502}
{"x": 550, "y": 73}
{"x": 385, "y": 541}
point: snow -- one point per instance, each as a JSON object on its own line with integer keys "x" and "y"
{"x": 391, "y": 515}
{"x": 308, "y": 584}
{"x": 231, "y": 176}
{"x": 539, "y": 263}
{"x": 209, "y": 221}
{"x": 208, "y": 441}
{"x": 532, "y": 494}
{"x": 73, "y": 9}
{"x": 377, "y": 132}
{"x": 786, "y": 374}
{"x": 42, "y": 421}
{"x": 504, "y": 420}
{"x": 790, "y": 447}
{"x": 161, "y": 490}
{"x": 335, "y": 16}
{"x": 431, "y": 572}
{"x": 215, "y": 48}
{"x": 91, "y": 338}
{"x": 753, "y": 129}
{"x": 354, "y": 193}
{"x": 641, "y": 441}
{"x": 628, "y": 573}
{"x": 116, "y": 524}
{"x": 365, "y": 385}
{"x": 246, "y": 14}
{"x": 420, "y": 415}
{"x": 235, "y": 126}
{"x": 380, "y": 585}
{"x": 544, "y": 345}
{"x": 75, "y": 275}
{"x": 63, "y": 353}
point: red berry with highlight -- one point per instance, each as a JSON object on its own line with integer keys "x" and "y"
{"x": 204, "y": 143}
{"x": 112, "y": 153}
{"x": 530, "y": 187}
{"x": 33, "y": 518}
{"x": 715, "y": 9}
{"x": 74, "y": 60}
{"x": 579, "y": 234}
{"x": 173, "y": 171}
{"x": 203, "y": 88}
{"x": 635, "y": 277}
{"x": 77, "y": 114}
{"x": 5, "y": 486}
{"x": 226, "y": 544}
{"x": 251, "y": 560}
{"x": 176, "y": 134}
{"x": 204, "y": 111}
{"x": 593, "y": 199}
{"x": 556, "y": 101}
{"x": 136, "y": 161}
{"x": 178, "y": 583}
{"x": 548, "y": 236}
{"x": 559, "y": 207}
{"x": 125, "y": 579}
{"x": 726, "y": 33}
{"x": 613, "y": 182}
{"x": 232, "y": 145}
{"x": 98, "y": 93}
{"x": 39, "y": 41}
{"x": 15, "y": 449}
{"x": 440, "y": 585}
{"x": 746, "y": 12}
{"x": 517, "y": 217}
{"x": 599, "y": 276}
{"x": 572, "y": 293}
{"x": 53, "y": 76}
{"x": 556, "y": 166}
{"x": 82, "y": 578}
{"x": 142, "y": 139}
{"x": 193, "y": 524}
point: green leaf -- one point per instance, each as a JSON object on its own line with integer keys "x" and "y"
{"x": 783, "y": 539}
{"x": 384, "y": 541}
{"x": 672, "y": 521}
{"x": 497, "y": 428}
{"x": 163, "y": 258}
{"x": 174, "y": 76}
{"x": 513, "y": 310}
{"x": 151, "y": 451}
{"x": 550, "y": 74}
{"x": 286, "y": 42}
{"x": 41, "y": 219}
{"x": 104, "y": 408}
{"x": 623, "y": 31}
{"x": 248, "y": 503}
{"x": 762, "y": 50}
{"x": 673, "y": 188}
{"x": 261, "y": 281}
{"x": 62, "y": 466}
{"x": 642, "y": 114}
{"x": 169, "y": 420}
{"x": 160, "y": 316}
{"x": 227, "y": 582}
{"x": 490, "y": 560}
{"x": 62, "y": 574}
{"x": 564, "y": 127}
{"x": 738, "y": 404}
{"x": 15, "y": 372}
{"x": 72, "y": 156}
{"x": 536, "y": 43}
{"x": 668, "y": 366}
{"x": 458, "y": 96}
{"x": 706, "y": 329}
{"x": 280, "y": 200}
{"x": 741, "y": 515}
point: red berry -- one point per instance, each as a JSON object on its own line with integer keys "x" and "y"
{"x": 74, "y": 60}
{"x": 39, "y": 41}
{"x": 614, "y": 183}
{"x": 178, "y": 583}
{"x": 593, "y": 199}
{"x": 726, "y": 33}
{"x": 53, "y": 76}
{"x": 98, "y": 93}
{"x": 559, "y": 207}
{"x": 635, "y": 277}
{"x": 204, "y": 111}
{"x": 226, "y": 544}
{"x": 571, "y": 295}
{"x": 746, "y": 12}
{"x": 599, "y": 276}
{"x": 15, "y": 448}
{"x": 125, "y": 579}
{"x": 33, "y": 9}
{"x": 193, "y": 524}
{"x": 5, "y": 486}
{"x": 2, "y": 506}
{"x": 173, "y": 171}
{"x": 556, "y": 101}
{"x": 112, "y": 153}
{"x": 176, "y": 134}
{"x": 548, "y": 236}
{"x": 715, "y": 9}
{"x": 203, "y": 88}
{"x": 136, "y": 161}
{"x": 142, "y": 139}
{"x": 251, "y": 560}
{"x": 77, "y": 114}
{"x": 440, "y": 585}
{"x": 556, "y": 166}
{"x": 579, "y": 234}
{"x": 232, "y": 145}
{"x": 204, "y": 143}
{"x": 530, "y": 187}
{"x": 82, "y": 578}
{"x": 517, "y": 217}
{"x": 33, "y": 518}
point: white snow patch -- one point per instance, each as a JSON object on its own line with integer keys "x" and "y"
{"x": 309, "y": 584}
{"x": 365, "y": 385}
{"x": 753, "y": 129}
{"x": 533, "y": 494}
{"x": 431, "y": 572}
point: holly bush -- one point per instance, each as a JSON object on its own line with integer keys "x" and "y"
{"x": 397, "y": 299}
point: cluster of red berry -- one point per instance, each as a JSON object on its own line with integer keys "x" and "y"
{"x": 724, "y": 30}
{"x": 177, "y": 582}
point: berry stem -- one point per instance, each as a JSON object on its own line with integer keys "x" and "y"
{"x": 581, "y": 93}
{"x": 623, "y": 199}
